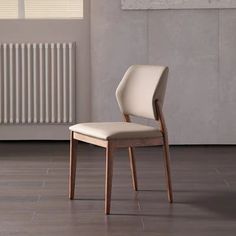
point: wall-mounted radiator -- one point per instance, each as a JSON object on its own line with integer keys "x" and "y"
{"x": 37, "y": 83}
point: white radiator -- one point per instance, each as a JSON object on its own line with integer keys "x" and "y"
{"x": 37, "y": 83}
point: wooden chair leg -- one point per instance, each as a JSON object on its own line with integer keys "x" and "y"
{"x": 73, "y": 157}
{"x": 133, "y": 168}
{"x": 108, "y": 180}
{"x": 167, "y": 169}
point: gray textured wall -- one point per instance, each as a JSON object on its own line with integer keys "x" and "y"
{"x": 199, "y": 46}
{"x": 49, "y": 31}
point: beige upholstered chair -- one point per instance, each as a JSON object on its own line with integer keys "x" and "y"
{"x": 140, "y": 93}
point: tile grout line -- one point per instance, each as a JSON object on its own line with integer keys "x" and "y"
{"x": 141, "y": 217}
{"x": 224, "y": 180}
{"x": 227, "y": 183}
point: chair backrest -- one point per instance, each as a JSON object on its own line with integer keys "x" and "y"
{"x": 139, "y": 89}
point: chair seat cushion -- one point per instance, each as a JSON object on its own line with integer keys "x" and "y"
{"x": 116, "y": 130}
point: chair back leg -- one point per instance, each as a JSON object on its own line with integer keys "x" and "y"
{"x": 167, "y": 168}
{"x": 133, "y": 168}
{"x": 73, "y": 157}
{"x": 108, "y": 180}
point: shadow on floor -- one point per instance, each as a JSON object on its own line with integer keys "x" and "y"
{"x": 221, "y": 203}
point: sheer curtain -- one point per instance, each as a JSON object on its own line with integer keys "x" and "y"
{"x": 41, "y": 9}
{"x": 8, "y": 9}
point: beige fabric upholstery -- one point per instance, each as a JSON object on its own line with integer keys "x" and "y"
{"x": 140, "y": 87}
{"x": 116, "y": 130}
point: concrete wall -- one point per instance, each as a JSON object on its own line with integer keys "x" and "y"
{"x": 197, "y": 45}
{"x": 49, "y": 31}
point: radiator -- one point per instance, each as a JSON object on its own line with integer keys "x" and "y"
{"x": 37, "y": 83}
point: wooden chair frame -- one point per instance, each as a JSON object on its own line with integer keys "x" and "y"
{"x": 110, "y": 145}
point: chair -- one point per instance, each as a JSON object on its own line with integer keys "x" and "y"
{"x": 140, "y": 93}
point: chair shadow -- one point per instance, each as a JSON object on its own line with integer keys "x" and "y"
{"x": 221, "y": 203}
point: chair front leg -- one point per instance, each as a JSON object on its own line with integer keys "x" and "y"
{"x": 108, "y": 180}
{"x": 133, "y": 168}
{"x": 73, "y": 157}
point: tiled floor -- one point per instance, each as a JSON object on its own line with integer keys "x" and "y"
{"x": 33, "y": 192}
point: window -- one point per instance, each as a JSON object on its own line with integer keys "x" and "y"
{"x": 41, "y": 9}
{"x": 8, "y": 8}
{"x": 177, "y": 4}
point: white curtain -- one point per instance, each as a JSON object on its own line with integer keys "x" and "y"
{"x": 41, "y": 9}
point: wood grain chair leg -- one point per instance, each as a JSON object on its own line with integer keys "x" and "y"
{"x": 167, "y": 169}
{"x": 108, "y": 180}
{"x": 73, "y": 157}
{"x": 133, "y": 168}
